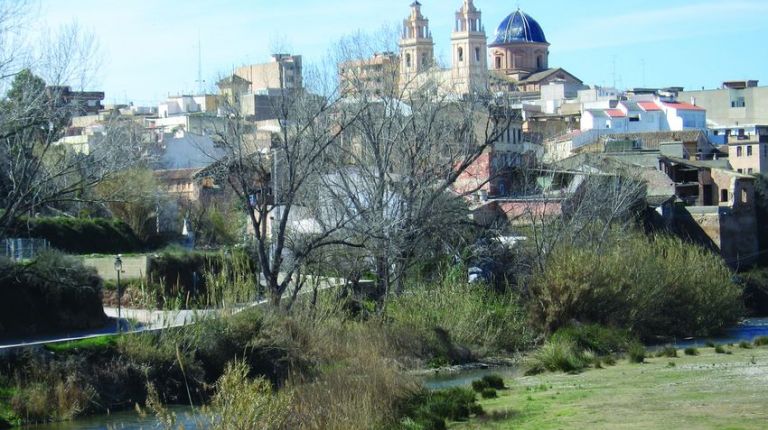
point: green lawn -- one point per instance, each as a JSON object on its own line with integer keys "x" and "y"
{"x": 709, "y": 391}
{"x": 93, "y": 343}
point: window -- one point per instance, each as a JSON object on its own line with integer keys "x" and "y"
{"x": 477, "y": 54}
{"x": 461, "y": 55}
{"x": 749, "y": 171}
{"x": 738, "y": 102}
{"x": 749, "y": 150}
{"x": 539, "y": 63}
{"x": 498, "y": 62}
{"x": 408, "y": 60}
{"x": 740, "y": 170}
{"x": 738, "y": 151}
{"x": 723, "y": 196}
{"x": 745, "y": 195}
{"x": 635, "y": 118}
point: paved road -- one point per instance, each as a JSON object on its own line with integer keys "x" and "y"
{"x": 139, "y": 320}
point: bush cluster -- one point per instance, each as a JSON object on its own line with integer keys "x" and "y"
{"x": 81, "y": 235}
{"x": 52, "y": 293}
{"x": 650, "y": 286}
{"x": 429, "y": 410}
{"x": 573, "y": 348}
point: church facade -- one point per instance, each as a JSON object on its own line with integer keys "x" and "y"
{"x": 517, "y": 59}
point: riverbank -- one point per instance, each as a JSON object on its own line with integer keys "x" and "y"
{"x": 708, "y": 391}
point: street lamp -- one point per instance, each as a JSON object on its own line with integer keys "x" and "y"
{"x": 119, "y": 269}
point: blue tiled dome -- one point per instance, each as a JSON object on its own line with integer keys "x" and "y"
{"x": 519, "y": 27}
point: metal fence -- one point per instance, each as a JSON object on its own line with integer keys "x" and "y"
{"x": 23, "y": 249}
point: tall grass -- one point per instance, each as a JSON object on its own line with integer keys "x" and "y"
{"x": 557, "y": 355}
{"x": 234, "y": 283}
{"x": 244, "y": 403}
{"x": 471, "y": 315}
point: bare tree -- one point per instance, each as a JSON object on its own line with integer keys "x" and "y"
{"x": 36, "y": 172}
{"x": 582, "y": 204}
{"x": 355, "y": 162}
{"x": 400, "y": 157}
{"x": 278, "y": 182}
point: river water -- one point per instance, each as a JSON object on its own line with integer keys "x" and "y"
{"x": 189, "y": 419}
{"x": 747, "y": 331}
{"x": 186, "y": 418}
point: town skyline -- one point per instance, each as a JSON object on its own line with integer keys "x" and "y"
{"x": 627, "y": 46}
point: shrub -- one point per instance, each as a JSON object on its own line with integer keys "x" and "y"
{"x": 556, "y": 355}
{"x": 52, "y": 293}
{"x": 745, "y": 345}
{"x": 709, "y": 344}
{"x": 596, "y": 338}
{"x": 667, "y": 351}
{"x": 431, "y": 409}
{"x": 494, "y": 381}
{"x": 645, "y": 285}
{"x": 105, "y": 236}
{"x": 691, "y": 351}
{"x": 719, "y": 349}
{"x": 489, "y": 393}
{"x": 636, "y": 353}
{"x": 761, "y": 341}
{"x": 478, "y": 385}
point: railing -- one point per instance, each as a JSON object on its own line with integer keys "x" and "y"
{"x": 23, "y": 249}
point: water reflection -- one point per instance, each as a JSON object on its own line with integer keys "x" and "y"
{"x": 186, "y": 419}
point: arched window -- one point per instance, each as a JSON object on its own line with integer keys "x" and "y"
{"x": 461, "y": 55}
{"x": 408, "y": 60}
{"x": 539, "y": 62}
{"x": 477, "y": 54}
{"x": 498, "y": 62}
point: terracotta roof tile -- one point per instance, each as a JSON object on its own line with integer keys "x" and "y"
{"x": 683, "y": 106}
{"x": 649, "y": 106}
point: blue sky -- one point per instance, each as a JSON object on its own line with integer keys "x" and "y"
{"x": 149, "y": 47}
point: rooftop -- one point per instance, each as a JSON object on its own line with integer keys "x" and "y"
{"x": 519, "y": 27}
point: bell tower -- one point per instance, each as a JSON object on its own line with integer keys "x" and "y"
{"x": 469, "y": 45}
{"x": 417, "y": 50}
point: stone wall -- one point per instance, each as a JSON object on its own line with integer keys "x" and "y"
{"x": 731, "y": 231}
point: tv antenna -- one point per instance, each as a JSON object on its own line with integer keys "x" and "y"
{"x": 200, "y": 81}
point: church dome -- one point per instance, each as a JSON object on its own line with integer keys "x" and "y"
{"x": 519, "y": 28}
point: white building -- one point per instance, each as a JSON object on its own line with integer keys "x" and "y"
{"x": 181, "y": 105}
{"x": 644, "y": 117}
